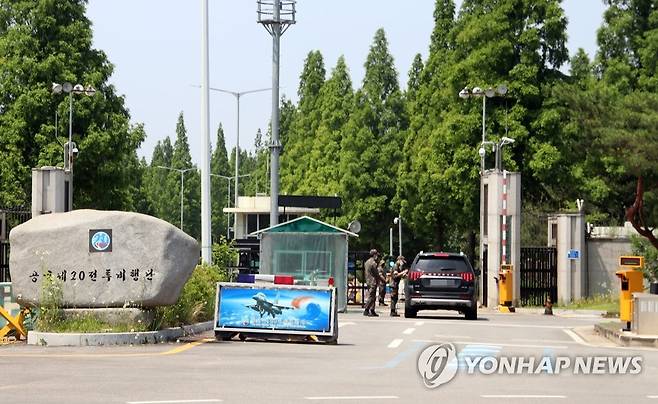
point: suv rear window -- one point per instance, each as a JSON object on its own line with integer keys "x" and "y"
{"x": 441, "y": 264}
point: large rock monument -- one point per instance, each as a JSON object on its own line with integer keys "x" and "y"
{"x": 101, "y": 258}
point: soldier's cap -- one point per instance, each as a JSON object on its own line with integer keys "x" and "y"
{"x": 373, "y": 252}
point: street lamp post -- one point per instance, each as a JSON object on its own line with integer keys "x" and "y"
{"x": 70, "y": 148}
{"x": 488, "y": 93}
{"x": 237, "y": 95}
{"x": 182, "y": 172}
{"x": 398, "y": 221}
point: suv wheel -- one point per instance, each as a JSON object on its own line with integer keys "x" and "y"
{"x": 471, "y": 314}
{"x": 410, "y": 313}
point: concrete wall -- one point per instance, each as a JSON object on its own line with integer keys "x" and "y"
{"x": 603, "y": 261}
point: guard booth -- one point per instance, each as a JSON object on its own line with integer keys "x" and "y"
{"x": 312, "y": 251}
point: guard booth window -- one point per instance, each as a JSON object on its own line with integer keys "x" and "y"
{"x": 252, "y": 223}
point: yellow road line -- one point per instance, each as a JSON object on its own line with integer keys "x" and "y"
{"x": 173, "y": 351}
{"x": 185, "y": 347}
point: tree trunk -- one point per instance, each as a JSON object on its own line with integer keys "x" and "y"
{"x": 635, "y": 215}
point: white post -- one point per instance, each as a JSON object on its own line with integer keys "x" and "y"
{"x": 390, "y": 241}
{"x": 70, "y": 151}
{"x": 182, "y": 174}
{"x": 206, "y": 248}
{"x": 400, "y": 234}
{"x": 237, "y": 159}
{"x": 228, "y": 214}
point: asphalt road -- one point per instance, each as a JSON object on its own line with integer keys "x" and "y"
{"x": 375, "y": 361}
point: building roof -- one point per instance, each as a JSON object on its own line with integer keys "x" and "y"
{"x": 304, "y": 224}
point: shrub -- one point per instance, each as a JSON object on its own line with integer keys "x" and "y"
{"x": 197, "y": 299}
{"x": 50, "y": 310}
{"x": 642, "y": 246}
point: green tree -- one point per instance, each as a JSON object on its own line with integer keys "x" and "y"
{"x": 219, "y": 166}
{"x": 372, "y": 145}
{"x": 295, "y": 161}
{"x": 517, "y": 43}
{"x": 45, "y": 41}
{"x": 182, "y": 160}
{"x": 335, "y": 105}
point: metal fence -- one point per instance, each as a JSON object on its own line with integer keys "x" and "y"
{"x": 4, "y": 262}
{"x": 538, "y": 275}
{"x": 9, "y": 218}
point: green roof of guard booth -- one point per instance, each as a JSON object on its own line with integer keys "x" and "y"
{"x": 304, "y": 224}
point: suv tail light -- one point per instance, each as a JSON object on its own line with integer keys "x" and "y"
{"x": 467, "y": 276}
{"x": 413, "y": 276}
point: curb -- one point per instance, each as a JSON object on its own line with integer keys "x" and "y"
{"x": 556, "y": 312}
{"x": 117, "y": 338}
{"x": 563, "y": 312}
{"x": 612, "y": 332}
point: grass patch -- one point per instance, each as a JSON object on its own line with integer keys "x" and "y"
{"x": 90, "y": 323}
{"x": 608, "y": 303}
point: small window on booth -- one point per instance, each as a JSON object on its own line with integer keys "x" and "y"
{"x": 252, "y": 223}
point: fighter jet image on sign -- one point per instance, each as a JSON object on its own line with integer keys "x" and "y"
{"x": 264, "y": 306}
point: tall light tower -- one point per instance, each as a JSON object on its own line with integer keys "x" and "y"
{"x": 206, "y": 242}
{"x": 276, "y": 16}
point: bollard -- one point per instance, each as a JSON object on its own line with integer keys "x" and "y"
{"x": 548, "y": 307}
{"x": 653, "y": 288}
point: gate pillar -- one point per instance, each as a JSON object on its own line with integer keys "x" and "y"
{"x": 500, "y": 234}
{"x": 566, "y": 232}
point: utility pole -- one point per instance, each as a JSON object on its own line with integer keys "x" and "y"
{"x": 206, "y": 242}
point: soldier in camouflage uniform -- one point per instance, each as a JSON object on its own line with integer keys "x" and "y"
{"x": 399, "y": 271}
{"x": 372, "y": 279}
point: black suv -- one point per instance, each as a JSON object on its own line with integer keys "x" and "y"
{"x": 441, "y": 280}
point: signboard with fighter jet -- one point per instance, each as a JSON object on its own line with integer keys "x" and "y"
{"x": 275, "y": 309}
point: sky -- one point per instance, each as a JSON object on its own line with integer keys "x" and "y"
{"x": 155, "y": 46}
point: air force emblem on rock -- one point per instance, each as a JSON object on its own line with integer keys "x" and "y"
{"x": 100, "y": 240}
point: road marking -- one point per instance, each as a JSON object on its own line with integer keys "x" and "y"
{"x": 185, "y": 347}
{"x": 340, "y": 325}
{"x": 491, "y": 343}
{"x": 519, "y": 396}
{"x": 574, "y": 336}
{"x": 176, "y": 350}
{"x": 510, "y": 345}
{"x": 652, "y": 396}
{"x": 550, "y": 341}
{"x": 210, "y": 400}
{"x": 610, "y": 345}
{"x": 419, "y": 323}
{"x": 395, "y": 343}
{"x": 451, "y": 337}
{"x": 354, "y": 398}
{"x": 402, "y": 356}
{"x": 408, "y": 331}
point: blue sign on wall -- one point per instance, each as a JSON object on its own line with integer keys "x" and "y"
{"x": 276, "y": 308}
{"x": 573, "y": 254}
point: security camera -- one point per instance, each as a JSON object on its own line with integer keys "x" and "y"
{"x": 75, "y": 151}
{"x": 396, "y": 220}
{"x": 482, "y": 152}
